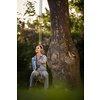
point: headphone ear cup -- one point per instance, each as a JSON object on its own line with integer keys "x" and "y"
{"x": 41, "y": 50}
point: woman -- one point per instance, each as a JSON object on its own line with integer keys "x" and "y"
{"x": 39, "y": 61}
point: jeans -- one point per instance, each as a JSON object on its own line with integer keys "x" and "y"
{"x": 37, "y": 73}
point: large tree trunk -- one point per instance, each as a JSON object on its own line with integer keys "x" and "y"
{"x": 62, "y": 55}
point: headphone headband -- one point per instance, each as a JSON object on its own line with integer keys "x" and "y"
{"x": 41, "y": 46}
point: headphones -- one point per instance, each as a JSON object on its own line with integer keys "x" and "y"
{"x": 40, "y": 47}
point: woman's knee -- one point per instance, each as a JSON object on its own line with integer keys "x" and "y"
{"x": 33, "y": 73}
{"x": 46, "y": 75}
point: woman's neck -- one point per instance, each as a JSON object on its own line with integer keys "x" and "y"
{"x": 38, "y": 54}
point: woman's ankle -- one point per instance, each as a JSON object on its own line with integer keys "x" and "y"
{"x": 30, "y": 88}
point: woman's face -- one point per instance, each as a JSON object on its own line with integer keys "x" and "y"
{"x": 38, "y": 49}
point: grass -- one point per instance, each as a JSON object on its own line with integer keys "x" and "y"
{"x": 38, "y": 93}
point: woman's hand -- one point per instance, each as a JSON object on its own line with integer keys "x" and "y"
{"x": 41, "y": 61}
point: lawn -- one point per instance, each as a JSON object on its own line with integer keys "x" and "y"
{"x": 38, "y": 93}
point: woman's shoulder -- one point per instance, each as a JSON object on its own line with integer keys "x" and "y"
{"x": 44, "y": 55}
{"x": 34, "y": 57}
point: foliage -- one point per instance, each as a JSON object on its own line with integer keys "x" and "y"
{"x": 46, "y": 21}
{"x": 78, "y": 5}
{"x": 30, "y": 10}
{"x": 27, "y": 41}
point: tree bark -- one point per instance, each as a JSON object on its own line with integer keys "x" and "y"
{"x": 62, "y": 56}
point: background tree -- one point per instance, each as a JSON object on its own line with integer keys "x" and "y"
{"x": 30, "y": 9}
{"x": 62, "y": 56}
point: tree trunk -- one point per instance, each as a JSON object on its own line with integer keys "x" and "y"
{"x": 62, "y": 56}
